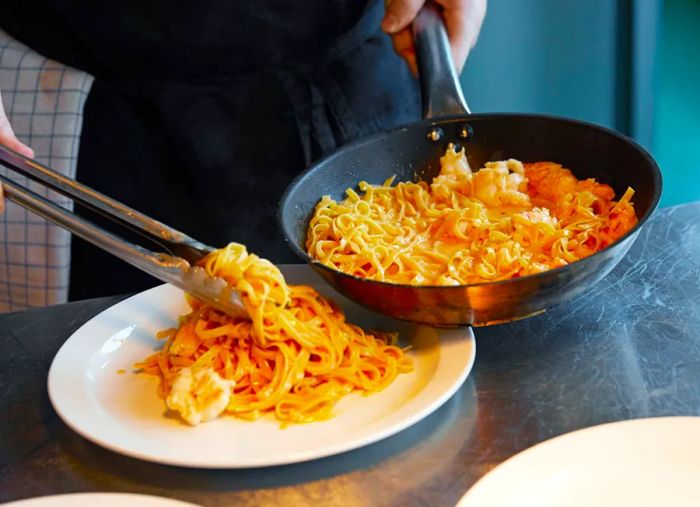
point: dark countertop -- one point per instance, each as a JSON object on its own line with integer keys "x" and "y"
{"x": 629, "y": 348}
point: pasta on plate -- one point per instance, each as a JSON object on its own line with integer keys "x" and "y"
{"x": 294, "y": 359}
{"x": 505, "y": 220}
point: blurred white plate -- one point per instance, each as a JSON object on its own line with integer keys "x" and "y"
{"x": 638, "y": 463}
{"x": 101, "y": 499}
{"x": 122, "y": 412}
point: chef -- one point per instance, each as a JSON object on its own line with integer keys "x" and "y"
{"x": 202, "y": 113}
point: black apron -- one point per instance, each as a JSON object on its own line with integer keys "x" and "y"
{"x": 202, "y": 113}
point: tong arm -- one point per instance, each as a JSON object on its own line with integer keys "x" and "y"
{"x": 167, "y": 268}
{"x": 173, "y": 240}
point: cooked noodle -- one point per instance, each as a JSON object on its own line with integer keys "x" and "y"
{"x": 506, "y": 220}
{"x": 296, "y": 357}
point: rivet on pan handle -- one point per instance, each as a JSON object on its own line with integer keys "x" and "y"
{"x": 440, "y": 88}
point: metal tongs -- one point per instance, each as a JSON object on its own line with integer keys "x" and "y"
{"x": 177, "y": 267}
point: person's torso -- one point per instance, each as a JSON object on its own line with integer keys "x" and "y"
{"x": 181, "y": 39}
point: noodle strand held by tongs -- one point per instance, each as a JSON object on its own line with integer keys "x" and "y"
{"x": 295, "y": 359}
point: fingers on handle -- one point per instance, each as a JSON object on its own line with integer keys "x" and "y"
{"x": 399, "y": 14}
{"x": 463, "y": 20}
{"x": 405, "y": 48}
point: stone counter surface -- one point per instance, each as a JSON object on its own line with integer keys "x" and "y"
{"x": 629, "y": 348}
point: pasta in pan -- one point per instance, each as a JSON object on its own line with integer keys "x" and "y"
{"x": 504, "y": 221}
{"x": 295, "y": 358}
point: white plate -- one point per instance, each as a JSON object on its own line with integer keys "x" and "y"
{"x": 637, "y": 463}
{"x": 101, "y": 499}
{"x": 122, "y": 412}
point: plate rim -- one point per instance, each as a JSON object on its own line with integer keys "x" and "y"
{"x": 74, "y": 424}
{"x": 96, "y": 496}
{"x": 473, "y": 494}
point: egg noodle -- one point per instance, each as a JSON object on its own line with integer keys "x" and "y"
{"x": 506, "y": 220}
{"x": 295, "y": 358}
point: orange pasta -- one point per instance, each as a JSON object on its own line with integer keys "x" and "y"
{"x": 506, "y": 220}
{"x": 295, "y": 359}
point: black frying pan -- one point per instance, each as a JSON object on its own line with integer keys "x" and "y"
{"x": 413, "y": 151}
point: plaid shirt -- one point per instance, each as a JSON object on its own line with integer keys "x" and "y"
{"x": 44, "y": 102}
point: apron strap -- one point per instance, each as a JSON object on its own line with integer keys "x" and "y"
{"x": 323, "y": 116}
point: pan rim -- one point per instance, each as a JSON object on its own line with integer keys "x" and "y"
{"x": 657, "y": 177}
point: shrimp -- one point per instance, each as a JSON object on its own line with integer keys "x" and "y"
{"x": 199, "y": 395}
{"x": 552, "y": 186}
{"x": 548, "y": 181}
{"x": 501, "y": 183}
{"x": 455, "y": 175}
{"x": 600, "y": 190}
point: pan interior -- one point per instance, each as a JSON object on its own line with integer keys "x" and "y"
{"x": 408, "y": 154}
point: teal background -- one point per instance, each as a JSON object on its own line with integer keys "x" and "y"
{"x": 546, "y": 56}
{"x": 676, "y": 129}
{"x": 631, "y": 65}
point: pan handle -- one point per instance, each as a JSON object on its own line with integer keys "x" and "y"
{"x": 439, "y": 83}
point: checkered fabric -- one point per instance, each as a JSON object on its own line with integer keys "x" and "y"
{"x": 44, "y": 101}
